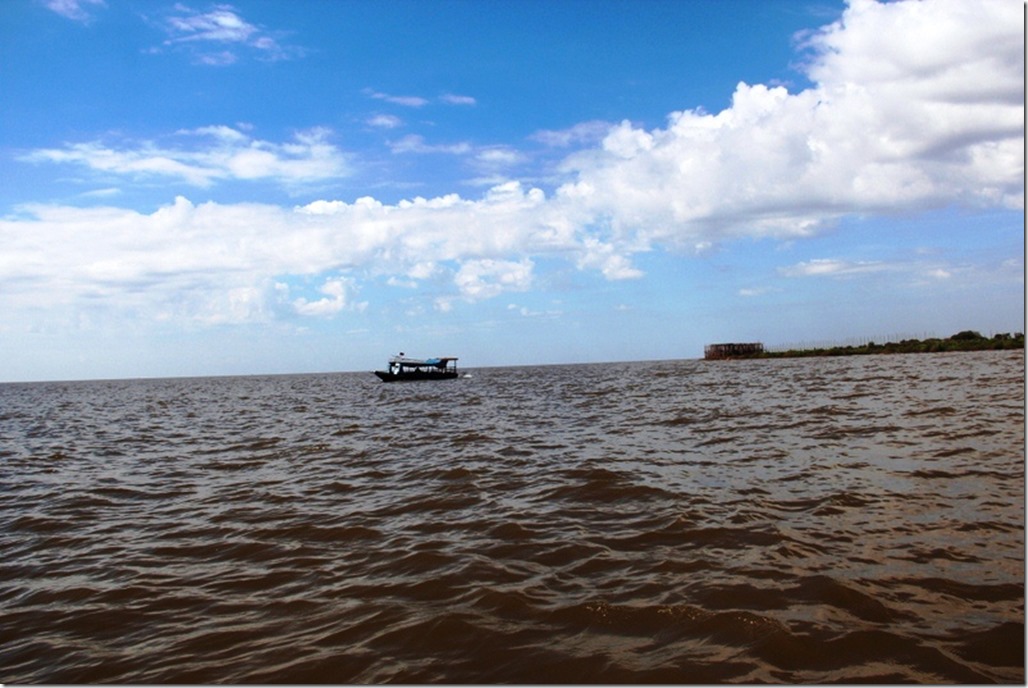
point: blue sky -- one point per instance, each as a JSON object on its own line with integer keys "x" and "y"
{"x": 274, "y": 187}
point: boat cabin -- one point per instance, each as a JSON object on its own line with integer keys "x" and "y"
{"x": 402, "y": 368}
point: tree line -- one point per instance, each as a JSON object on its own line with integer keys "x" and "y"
{"x": 968, "y": 340}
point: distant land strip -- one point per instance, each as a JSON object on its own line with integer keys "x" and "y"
{"x": 968, "y": 340}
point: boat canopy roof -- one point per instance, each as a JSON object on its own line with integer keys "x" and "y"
{"x": 408, "y": 361}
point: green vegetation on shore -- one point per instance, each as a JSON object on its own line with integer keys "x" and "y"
{"x": 968, "y": 340}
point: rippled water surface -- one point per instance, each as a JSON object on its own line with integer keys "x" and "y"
{"x": 819, "y": 520}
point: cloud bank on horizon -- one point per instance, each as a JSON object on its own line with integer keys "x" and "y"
{"x": 889, "y": 125}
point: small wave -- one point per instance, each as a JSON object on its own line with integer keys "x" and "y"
{"x": 768, "y": 522}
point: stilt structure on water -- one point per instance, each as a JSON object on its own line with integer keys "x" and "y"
{"x": 713, "y": 352}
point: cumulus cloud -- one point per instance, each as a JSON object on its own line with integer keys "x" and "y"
{"x": 219, "y": 263}
{"x": 216, "y": 153}
{"x": 335, "y": 299}
{"x": 889, "y": 125}
{"x": 487, "y": 278}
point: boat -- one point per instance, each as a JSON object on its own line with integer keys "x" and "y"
{"x": 403, "y": 368}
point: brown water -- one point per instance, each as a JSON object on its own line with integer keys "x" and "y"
{"x": 846, "y": 519}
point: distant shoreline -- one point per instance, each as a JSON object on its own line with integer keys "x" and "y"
{"x": 968, "y": 340}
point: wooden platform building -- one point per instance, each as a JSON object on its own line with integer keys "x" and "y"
{"x": 713, "y": 352}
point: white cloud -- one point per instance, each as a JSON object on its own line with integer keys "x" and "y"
{"x": 405, "y": 101}
{"x": 415, "y": 143}
{"x": 308, "y": 157}
{"x": 487, "y": 278}
{"x": 217, "y": 59}
{"x": 76, "y": 10}
{"x": 454, "y": 99}
{"x": 335, "y": 299}
{"x": 419, "y": 101}
{"x": 831, "y": 267}
{"x": 526, "y": 312}
{"x": 102, "y": 193}
{"x": 499, "y": 156}
{"x": 146, "y": 160}
{"x": 599, "y": 255}
{"x": 890, "y": 125}
{"x": 222, "y": 25}
{"x": 220, "y": 132}
{"x": 591, "y": 132}
{"x": 217, "y": 263}
{"x": 920, "y": 272}
{"x": 225, "y": 306}
{"x": 384, "y": 121}
{"x": 423, "y": 270}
